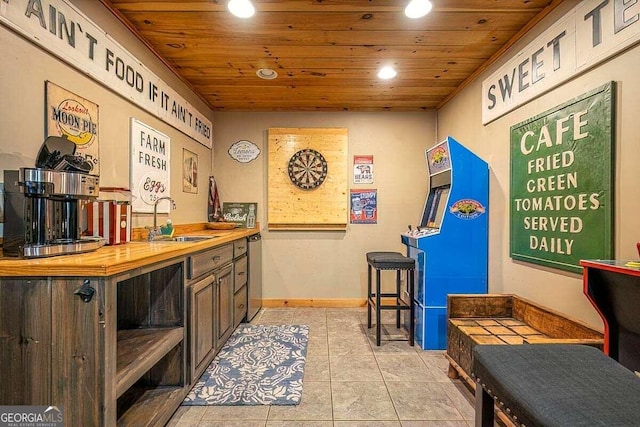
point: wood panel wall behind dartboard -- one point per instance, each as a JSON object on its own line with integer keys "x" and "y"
{"x": 324, "y": 207}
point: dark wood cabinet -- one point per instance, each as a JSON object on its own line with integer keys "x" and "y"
{"x": 240, "y": 306}
{"x": 51, "y": 345}
{"x": 25, "y": 345}
{"x": 241, "y": 274}
{"x": 121, "y": 348}
{"x": 201, "y": 324}
{"x": 224, "y": 301}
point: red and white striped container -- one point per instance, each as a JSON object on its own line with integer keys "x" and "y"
{"x": 111, "y": 219}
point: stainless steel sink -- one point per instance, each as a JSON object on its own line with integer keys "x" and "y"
{"x": 183, "y": 239}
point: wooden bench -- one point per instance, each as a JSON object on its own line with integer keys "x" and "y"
{"x": 554, "y": 386}
{"x": 505, "y": 319}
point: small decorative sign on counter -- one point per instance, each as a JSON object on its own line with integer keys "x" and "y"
{"x": 243, "y": 214}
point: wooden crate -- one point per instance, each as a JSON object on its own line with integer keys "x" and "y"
{"x": 508, "y": 320}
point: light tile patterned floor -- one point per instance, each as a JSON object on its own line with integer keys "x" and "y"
{"x": 350, "y": 382}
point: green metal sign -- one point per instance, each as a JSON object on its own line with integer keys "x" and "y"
{"x": 562, "y": 183}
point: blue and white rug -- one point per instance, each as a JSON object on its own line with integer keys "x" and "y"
{"x": 258, "y": 365}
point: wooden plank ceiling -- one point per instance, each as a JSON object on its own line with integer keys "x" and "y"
{"x": 327, "y": 52}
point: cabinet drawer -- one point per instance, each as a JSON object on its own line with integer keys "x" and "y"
{"x": 240, "y": 306}
{"x": 241, "y": 273}
{"x": 211, "y": 259}
{"x": 239, "y": 247}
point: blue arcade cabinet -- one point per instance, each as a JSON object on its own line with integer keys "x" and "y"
{"x": 450, "y": 245}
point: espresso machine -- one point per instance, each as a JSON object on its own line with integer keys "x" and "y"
{"x": 44, "y": 205}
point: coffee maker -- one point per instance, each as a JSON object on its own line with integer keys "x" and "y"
{"x": 43, "y": 205}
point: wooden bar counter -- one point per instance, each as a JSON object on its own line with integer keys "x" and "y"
{"x": 112, "y": 337}
{"x": 110, "y": 260}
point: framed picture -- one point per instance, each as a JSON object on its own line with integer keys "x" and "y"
{"x": 189, "y": 171}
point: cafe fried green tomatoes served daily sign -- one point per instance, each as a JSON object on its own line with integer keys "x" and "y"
{"x": 562, "y": 183}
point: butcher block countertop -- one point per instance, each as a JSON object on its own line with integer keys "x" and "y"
{"x": 110, "y": 260}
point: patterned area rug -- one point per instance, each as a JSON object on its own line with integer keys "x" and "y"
{"x": 258, "y": 365}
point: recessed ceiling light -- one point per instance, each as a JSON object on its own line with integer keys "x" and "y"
{"x": 418, "y": 8}
{"x": 267, "y": 73}
{"x": 241, "y": 8}
{"x": 387, "y": 73}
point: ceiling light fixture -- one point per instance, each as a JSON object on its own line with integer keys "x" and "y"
{"x": 267, "y": 73}
{"x": 241, "y": 8}
{"x": 418, "y": 8}
{"x": 387, "y": 73}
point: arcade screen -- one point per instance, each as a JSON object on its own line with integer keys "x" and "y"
{"x": 436, "y": 204}
{"x": 437, "y": 207}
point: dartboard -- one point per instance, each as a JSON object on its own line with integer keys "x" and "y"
{"x": 307, "y": 169}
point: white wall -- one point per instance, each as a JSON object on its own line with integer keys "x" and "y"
{"x": 553, "y": 288}
{"x": 323, "y": 264}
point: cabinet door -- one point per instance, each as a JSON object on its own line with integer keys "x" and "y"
{"x": 240, "y": 273}
{"x": 225, "y": 304}
{"x": 202, "y": 336}
{"x": 240, "y": 306}
{"x": 78, "y": 349}
{"x": 25, "y": 342}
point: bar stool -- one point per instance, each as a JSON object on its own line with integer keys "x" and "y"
{"x": 390, "y": 261}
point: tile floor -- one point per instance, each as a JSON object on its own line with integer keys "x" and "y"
{"x": 350, "y": 382}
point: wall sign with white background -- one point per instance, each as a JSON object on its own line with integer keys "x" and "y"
{"x": 58, "y": 27}
{"x": 363, "y": 169}
{"x": 244, "y": 151}
{"x": 590, "y": 33}
{"x": 150, "y": 167}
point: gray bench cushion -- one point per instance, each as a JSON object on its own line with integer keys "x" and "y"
{"x": 559, "y": 385}
{"x": 390, "y": 261}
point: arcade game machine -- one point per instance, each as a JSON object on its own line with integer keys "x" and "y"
{"x": 450, "y": 245}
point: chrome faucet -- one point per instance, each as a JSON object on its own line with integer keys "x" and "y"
{"x": 155, "y": 231}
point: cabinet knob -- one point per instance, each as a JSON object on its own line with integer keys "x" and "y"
{"x": 240, "y": 273}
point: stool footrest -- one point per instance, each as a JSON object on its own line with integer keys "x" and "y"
{"x": 391, "y": 306}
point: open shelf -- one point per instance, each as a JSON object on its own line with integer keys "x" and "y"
{"x": 140, "y": 349}
{"x": 149, "y": 406}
